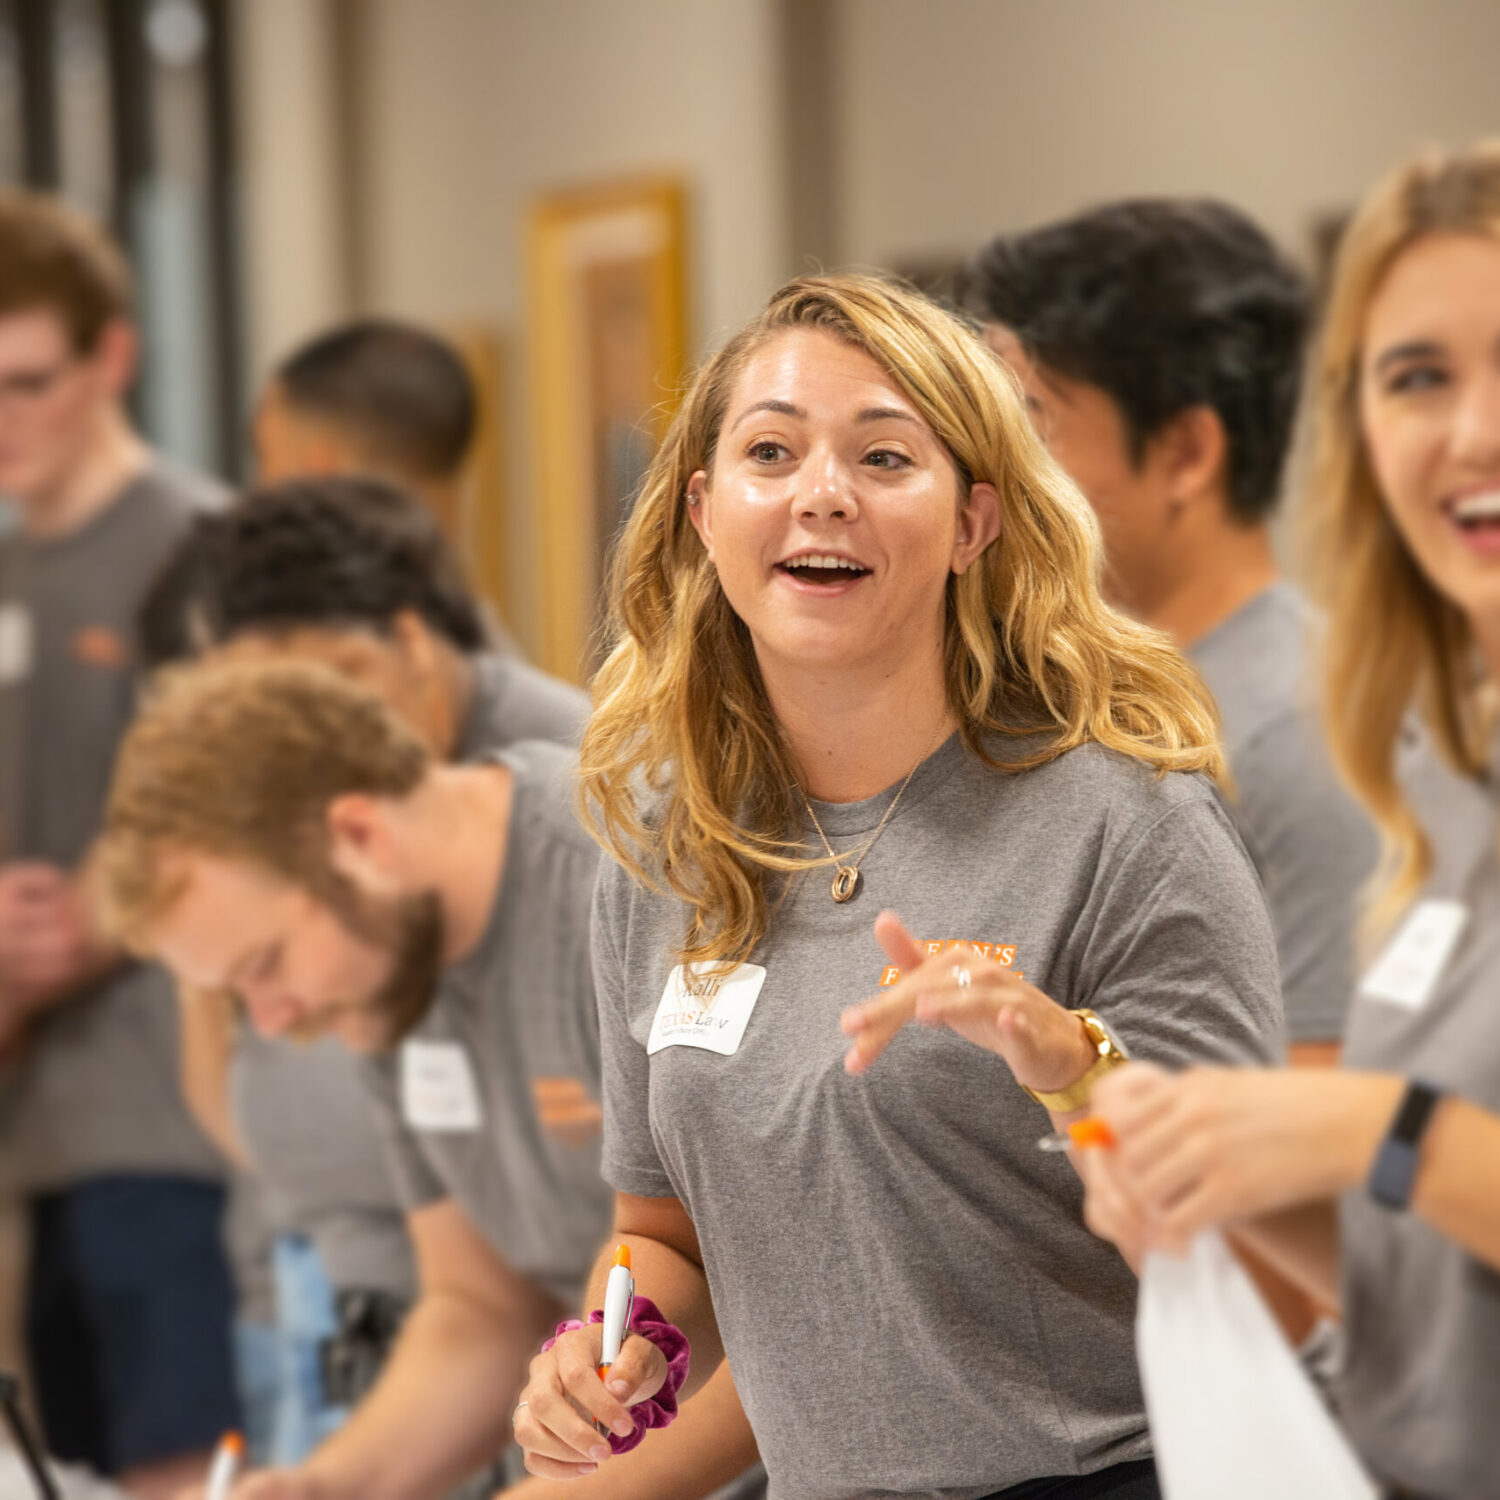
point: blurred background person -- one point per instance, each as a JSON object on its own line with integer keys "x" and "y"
{"x": 128, "y": 1300}
{"x": 1160, "y": 347}
{"x": 1376, "y": 1186}
{"x": 279, "y": 833}
{"x": 355, "y": 574}
{"x": 376, "y": 397}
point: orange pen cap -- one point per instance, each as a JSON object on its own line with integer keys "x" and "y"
{"x": 1091, "y": 1132}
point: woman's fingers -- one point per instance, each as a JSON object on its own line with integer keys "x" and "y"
{"x": 903, "y": 950}
{"x": 578, "y": 1375}
{"x": 873, "y": 1023}
{"x": 550, "y": 1425}
{"x": 1110, "y": 1209}
{"x": 639, "y": 1373}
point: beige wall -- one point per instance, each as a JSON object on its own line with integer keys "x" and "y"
{"x": 471, "y": 108}
{"x": 961, "y": 118}
{"x": 290, "y": 143}
{"x": 393, "y": 146}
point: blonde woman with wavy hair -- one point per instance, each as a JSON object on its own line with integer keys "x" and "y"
{"x": 860, "y": 661}
{"x": 1378, "y": 1185}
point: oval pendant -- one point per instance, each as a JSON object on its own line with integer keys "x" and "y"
{"x": 845, "y": 883}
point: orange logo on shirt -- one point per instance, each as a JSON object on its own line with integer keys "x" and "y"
{"x": 98, "y": 646}
{"x": 1001, "y": 953}
{"x": 567, "y": 1110}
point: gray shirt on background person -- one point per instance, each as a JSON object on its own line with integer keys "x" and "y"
{"x": 907, "y": 1294}
{"x": 95, "y": 1089}
{"x": 514, "y": 701}
{"x": 302, "y": 1111}
{"x": 1422, "y": 1373}
{"x": 515, "y": 1023}
{"x": 1312, "y": 843}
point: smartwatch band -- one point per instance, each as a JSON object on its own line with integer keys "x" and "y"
{"x": 1395, "y": 1171}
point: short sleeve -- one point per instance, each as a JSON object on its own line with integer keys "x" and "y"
{"x": 1180, "y": 959}
{"x": 1316, "y": 848}
{"x": 417, "y": 1185}
{"x": 631, "y": 1161}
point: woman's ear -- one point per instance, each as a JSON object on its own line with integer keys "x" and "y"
{"x": 696, "y": 496}
{"x": 978, "y": 525}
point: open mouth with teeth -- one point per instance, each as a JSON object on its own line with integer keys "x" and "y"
{"x": 1479, "y": 515}
{"x": 822, "y": 567}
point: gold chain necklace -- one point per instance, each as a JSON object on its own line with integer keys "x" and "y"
{"x": 846, "y": 875}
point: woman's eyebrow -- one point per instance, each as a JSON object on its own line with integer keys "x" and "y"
{"x": 886, "y": 414}
{"x": 782, "y": 408}
{"x": 1413, "y": 349}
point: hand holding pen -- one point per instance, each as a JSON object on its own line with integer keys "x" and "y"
{"x": 581, "y": 1388}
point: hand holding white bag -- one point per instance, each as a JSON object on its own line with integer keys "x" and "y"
{"x": 1232, "y": 1415}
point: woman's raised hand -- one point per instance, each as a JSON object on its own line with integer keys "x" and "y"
{"x": 982, "y": 1000}
{"x": 564, "y": 1396}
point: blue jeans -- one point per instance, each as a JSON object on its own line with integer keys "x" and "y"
{"x": 305, "y": 1317}
{"x": 257, "y": 1370}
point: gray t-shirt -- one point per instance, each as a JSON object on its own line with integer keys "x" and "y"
{"x": 513, "y": 701}
{"x": 512, "y": 1040}
{"x": 96, "y": 1090}
{"x": 303, "y": 1115}
{"x": 908, "y": 1296}
{"x": 1310, "y": 840}
{"x": 1422, "y": 1382}
{"x": 302, "y": 1112}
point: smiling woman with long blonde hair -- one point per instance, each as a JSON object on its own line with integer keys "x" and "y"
{"x": 861, "y": 662}
{"x": 1379, "y": 1184}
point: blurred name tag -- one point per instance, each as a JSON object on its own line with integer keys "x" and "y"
{"x": 700, "y": 1008}
{"x": 1407, "y": 972}
{"x": 15, "y": 644}
{"x": 438, "y": 1092}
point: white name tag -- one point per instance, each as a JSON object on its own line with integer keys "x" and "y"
{"x": 702, "y": 1009}
{"x": 1407, "y": 972}
{"x": 438, "y": 1092}
{"x": 15, "y": 644}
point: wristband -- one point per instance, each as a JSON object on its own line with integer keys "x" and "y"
{"x": 1395, "y": 1171}
{"x": 659, "y": 1410}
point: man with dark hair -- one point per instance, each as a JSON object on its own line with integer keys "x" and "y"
{"x": 128, "y": 1300}
{"x": 1159, "y": 343}
{"x": 371, "y": 397}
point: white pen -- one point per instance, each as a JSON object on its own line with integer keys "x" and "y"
{"x": 619, "y": 1299}
{"x": 224, "y": 1467}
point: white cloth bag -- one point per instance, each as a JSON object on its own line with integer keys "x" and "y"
{"x": 1232, "y": 1415}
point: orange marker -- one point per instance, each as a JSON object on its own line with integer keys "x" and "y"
{"x": 619, "y": 1301}
{"x": 1091, "y": 1131}
{"x": 226, "y": 1462}
{"x": 1082, "y": 1135}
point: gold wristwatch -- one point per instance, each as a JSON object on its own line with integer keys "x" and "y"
{"x": 1111, "y": 1055}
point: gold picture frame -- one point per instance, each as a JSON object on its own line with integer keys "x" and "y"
{"x": 608, "y": 353}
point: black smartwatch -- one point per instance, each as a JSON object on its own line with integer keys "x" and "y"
{"x": 1395, "y": 1171}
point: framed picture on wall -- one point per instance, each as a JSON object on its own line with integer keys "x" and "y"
{"x": 608, "y": 351}
{"x": 481, "y": 529}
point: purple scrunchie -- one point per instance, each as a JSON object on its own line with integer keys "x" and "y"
{"x": 659, "y": 1410}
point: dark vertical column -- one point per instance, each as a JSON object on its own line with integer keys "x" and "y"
{"x": 224, "y": 236}
{"x": 35, "y": 31}
{"x": 351, "y": 65}
{"x": 810, "y": 74}
{"x": 132, "y": 137}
